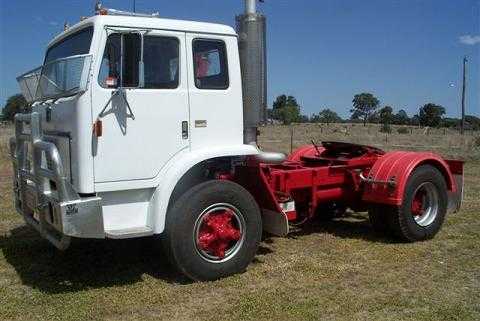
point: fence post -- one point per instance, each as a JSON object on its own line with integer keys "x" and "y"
{"x": 291, "y": 138}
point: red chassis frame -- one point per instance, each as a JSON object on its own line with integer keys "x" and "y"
{"x": 348, "y": 174}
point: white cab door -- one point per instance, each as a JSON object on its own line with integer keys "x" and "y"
{"x": 137, "y": 148}
{"x": 215, "y": 89}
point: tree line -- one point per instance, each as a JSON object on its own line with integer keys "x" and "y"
{"x": 15, "y": 104}
{"x": 366, "y": 108}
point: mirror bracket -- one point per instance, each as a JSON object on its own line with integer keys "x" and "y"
{"x": 122, "y": 93}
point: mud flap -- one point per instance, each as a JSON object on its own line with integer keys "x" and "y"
{"x": 455, "y": 199}
{"x": 275, "y": 223}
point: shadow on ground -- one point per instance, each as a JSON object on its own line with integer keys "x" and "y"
{"x": 105, "y": 263}
{"x": 86, "y": 264}
{"x": 352, "y": 226}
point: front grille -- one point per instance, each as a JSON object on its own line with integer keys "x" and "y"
{"x": 50, "y": 165}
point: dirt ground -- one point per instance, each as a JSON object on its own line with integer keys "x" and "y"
{"x": 338, "y": 270}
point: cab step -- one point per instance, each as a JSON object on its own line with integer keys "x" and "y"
{"x": 129, "y": 232}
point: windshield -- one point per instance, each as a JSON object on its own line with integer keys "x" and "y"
{"x": 65, "y": 71}
{"x": 75, "y": 44}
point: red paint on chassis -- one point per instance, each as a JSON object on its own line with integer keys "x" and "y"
{"x": 354, "y": 175}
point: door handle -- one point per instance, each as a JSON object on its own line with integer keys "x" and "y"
{"x": 184, "y": 129}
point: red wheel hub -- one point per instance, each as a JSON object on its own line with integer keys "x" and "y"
{"x": 218, "y": 233}
{"x": 418, "y": 203}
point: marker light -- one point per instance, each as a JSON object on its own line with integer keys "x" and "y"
{"x": 111, "y": 82}
{"x": 97, "y": 128}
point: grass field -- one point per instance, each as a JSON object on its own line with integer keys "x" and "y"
{"x": 447, "y": 142}
{"x": 333, "y": 271}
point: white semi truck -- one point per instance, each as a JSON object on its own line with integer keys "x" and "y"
{"x": 141, "y": 126}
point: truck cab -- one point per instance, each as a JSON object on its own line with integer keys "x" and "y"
{"x": 132, "y": 103}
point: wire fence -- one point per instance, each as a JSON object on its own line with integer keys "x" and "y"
{"x": 446, "y": 141}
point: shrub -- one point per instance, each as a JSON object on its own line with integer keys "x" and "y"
{"x": 476, "y": 142}
{"x": 386, "y": 128}
{"x": 402, "y": 130}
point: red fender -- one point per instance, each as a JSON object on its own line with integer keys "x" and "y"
{"x": 306, "y": 150}
{"x": 398, "y": 166}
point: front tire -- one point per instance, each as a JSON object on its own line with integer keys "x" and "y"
{"x": 213, "y": 230}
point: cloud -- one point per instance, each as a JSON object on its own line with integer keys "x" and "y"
{"x": 470, "y": 40}
{"x": 43, "y": 20}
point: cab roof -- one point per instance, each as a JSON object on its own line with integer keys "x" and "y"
{"x": 147, "y": 23}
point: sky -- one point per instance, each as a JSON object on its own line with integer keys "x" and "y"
{"x": 406, "y": 52}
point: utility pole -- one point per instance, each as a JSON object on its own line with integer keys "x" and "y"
{"x": 462, "y": 128}
{"x": 134, "y": 6}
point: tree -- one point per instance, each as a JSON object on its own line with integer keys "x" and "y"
{"x": 364, "y": 105}
{"x": 303, "y": 119}
{"x": 280, "y": 102}
{"x": 386, "y": 115}
{"x": 473, "y": 122}
{"x": 284, "y": 100}
{"x": 326, "y": 116}
{"x": 288, "y": 114}
{"x": 451, "y": 122}
{"x": 15, "y": 104}
{"x": 401, "y": 118}
{"x": 431, "y": 115}
{"x": 286, "y": 109}
{"x": 415, "y": 120}
{"x": 269, "y": 113}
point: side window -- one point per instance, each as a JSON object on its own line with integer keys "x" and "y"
{"x": 210, "y": 64}
{"x": 109, "y": 76}
{"x": 160, "y": 61}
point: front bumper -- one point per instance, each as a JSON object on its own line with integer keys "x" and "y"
{"x": 43, "y": 193}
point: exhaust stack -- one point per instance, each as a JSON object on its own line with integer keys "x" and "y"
{"x": 251, "y": 29}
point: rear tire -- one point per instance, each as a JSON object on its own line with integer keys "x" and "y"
{"x": 187, "y": 229}
{"x": 424, "y": 206}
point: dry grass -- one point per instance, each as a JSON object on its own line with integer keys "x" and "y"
{"x": 444, "y": 141}
{"x": 334, "y": 271}
{"x": 5, "y": 133}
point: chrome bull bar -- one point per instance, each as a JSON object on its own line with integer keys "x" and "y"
{"x": 43, "y": 193}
